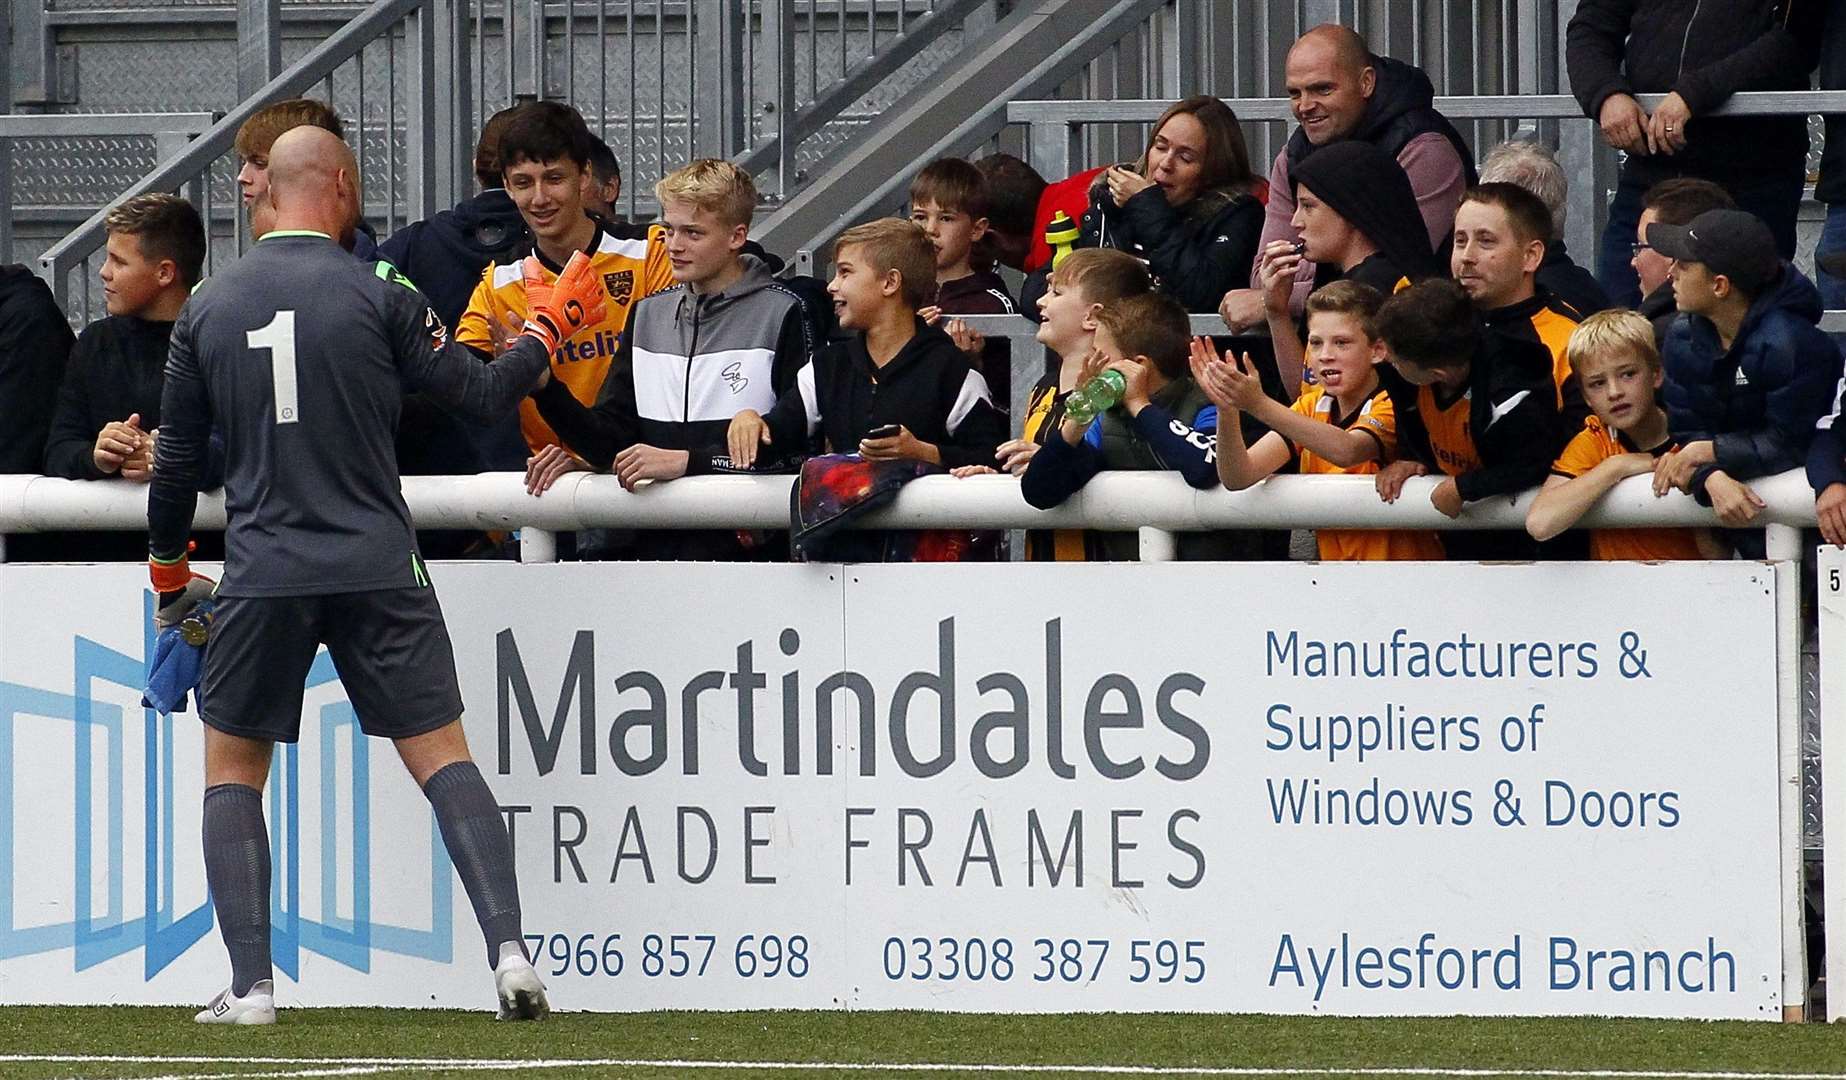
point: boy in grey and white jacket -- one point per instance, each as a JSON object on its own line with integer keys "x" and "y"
{"x": 727, "y": 337}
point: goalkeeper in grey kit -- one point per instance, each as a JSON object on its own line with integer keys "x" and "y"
{"x": 300, "y": 355}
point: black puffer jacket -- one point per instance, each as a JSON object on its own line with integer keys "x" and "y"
{"x": 1704, "y": 50}
{"x": 1759, "y": 400}
{"x": 1196, "y": 252}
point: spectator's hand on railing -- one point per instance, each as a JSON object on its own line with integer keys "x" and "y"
{"x": 930, "y": 314}
{"x": 139, "y": 467}
{"x": 116, "y": 443}
{"x": 1830, "y": 508}
{"x": 1446, "y": 498}
{"x": 1015, "y": 454}
{"x": 643, "y": 462}
{"x": 1675, "y": 468}
{"x": 1666, "y": 129}
{"x": 1280, "y": 267}
{"x": 1734, "y": 502}
{"x": 747, "y": 432}
{"x": 967, "y": 339}
{"x": 544, "y": 468}
{"x": 962, "y": 472}
{"x": 1624, "y": 124}
{"x": 1389, "y": 481}
{"x": 1241, "y": 309}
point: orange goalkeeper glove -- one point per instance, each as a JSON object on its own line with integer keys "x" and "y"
{"x": 556, "y": 311}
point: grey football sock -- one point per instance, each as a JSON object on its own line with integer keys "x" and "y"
{"x": 475, "y": 834}
{"x": 237, "y": 870}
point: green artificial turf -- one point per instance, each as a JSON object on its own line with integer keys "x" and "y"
{"x": 1162, "y": 1040}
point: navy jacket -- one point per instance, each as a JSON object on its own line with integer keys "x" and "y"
{"x": 1758, "y": 402}
{"x": 445, "y": 255}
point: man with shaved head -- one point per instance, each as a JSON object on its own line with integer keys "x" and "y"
{"x": 1338, "y": 90}
{"x": 301, "y": 355}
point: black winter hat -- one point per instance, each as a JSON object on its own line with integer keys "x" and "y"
{"x": 1366, "y": 186}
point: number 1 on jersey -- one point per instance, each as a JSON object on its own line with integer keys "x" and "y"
{"x": 279, "y": 338}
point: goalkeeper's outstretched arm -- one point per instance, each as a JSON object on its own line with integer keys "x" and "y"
{"x": 452, "y": 374}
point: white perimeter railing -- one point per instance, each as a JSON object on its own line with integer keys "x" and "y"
{"x": 1156, "y": 504}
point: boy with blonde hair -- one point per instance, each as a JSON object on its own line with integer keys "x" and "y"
{"x": 726, "y": 337}
{"x": 1343, "y": 423}
{"x": 1614, "y": 358}
{"x": 895, "y": 389}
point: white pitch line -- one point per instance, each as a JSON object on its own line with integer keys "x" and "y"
{"x": 380, "y": 1065}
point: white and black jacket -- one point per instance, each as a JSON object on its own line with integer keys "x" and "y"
{"x": 686, "y": 364}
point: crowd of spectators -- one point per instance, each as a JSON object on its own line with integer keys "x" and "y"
{"x": 1390, "y": 310}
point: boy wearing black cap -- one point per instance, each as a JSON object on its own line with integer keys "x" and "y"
{"x": 1748, "y": 371}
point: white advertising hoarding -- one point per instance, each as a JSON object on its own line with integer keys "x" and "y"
{"x": 1354, "y": 789}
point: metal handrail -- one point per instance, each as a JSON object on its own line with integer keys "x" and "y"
{"x": 858, "y": 80}
{"x": 190, "y": 163}
{"x": 103, "y": 125}
{"x": 1459, "y": 107}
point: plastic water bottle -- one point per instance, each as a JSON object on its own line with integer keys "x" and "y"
{"x": 1060, "y": 236}
{"x": 1095, "y": 397}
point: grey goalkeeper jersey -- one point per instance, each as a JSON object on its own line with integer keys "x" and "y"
{"x": 301, "y": 356}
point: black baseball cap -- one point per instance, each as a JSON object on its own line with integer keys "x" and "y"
{"x": 1734, "y": 243}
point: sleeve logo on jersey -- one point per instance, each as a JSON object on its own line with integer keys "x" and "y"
{"x": 621, "y": 285}
{"x": 438, "y": 333}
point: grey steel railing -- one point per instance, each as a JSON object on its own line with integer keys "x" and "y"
{"x": 660, "y": 80}
{"x": 169, "y": 132}
{"x": 203, "y": 166}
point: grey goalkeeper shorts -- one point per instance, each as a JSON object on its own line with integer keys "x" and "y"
{"x": 389, "y": 646}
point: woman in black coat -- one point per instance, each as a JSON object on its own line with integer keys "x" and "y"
{"x": 1189, "y": 207}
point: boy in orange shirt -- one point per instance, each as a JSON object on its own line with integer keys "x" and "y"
{"x": 1342, "y": 424}
{"x": 1615, "y": 360}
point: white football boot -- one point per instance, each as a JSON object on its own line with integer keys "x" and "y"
{"x": 256, "y": 1007}
{"x": 522, "y": 995}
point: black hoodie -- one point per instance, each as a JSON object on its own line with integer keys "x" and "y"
{"x": 927, "y": 387}
{"x": 35, "y": 346}
{"x": 1400, "y": 109}
{"x": 445, "y": 254}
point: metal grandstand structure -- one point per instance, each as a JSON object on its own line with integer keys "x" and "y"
{"x": 829, "y": 102}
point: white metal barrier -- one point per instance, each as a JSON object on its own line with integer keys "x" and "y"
{"x": 1156, "y": 504}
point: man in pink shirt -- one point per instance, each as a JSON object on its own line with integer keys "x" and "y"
{"x": 1338, "y": 90}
